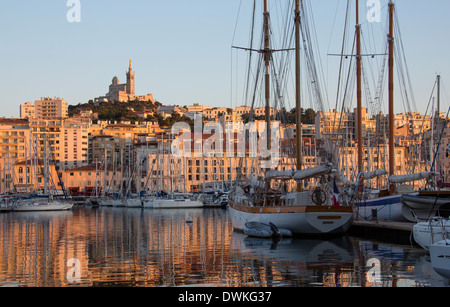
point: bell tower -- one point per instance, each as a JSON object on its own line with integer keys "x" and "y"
{"x": 130, "y": 81}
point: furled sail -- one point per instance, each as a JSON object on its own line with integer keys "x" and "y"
{"x": 375, "y": 174}
{"x": 410, "y": 177}
{"x": 298, "y": 175}
{"x": 274, "y": 174}
{"x": 312, "y": 172}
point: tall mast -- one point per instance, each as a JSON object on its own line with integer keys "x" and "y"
{"x": 297, "y": 89}
{"x": 391, "y": 94}
{"x": 359, "y": 89}
{"x": 46, "y": 172}
{"x": 438, "y": 119}
{"x": 267, "y": 55}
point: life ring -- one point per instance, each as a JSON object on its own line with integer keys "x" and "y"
{"x": 319, "y": 197}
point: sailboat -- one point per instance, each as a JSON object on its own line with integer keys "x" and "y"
{"x": 432, "y": 231}
{"x": 47, "y": 201}
{"x": 48, "y": 204}
{"x": 315, "y": 212}
{"x": 436, "y": 195}
{"x": 390, "y": 204}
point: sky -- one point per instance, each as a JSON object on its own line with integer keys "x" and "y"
{"x": 181, "y": 50}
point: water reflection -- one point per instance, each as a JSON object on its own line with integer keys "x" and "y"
{"x": 133, "y": 247}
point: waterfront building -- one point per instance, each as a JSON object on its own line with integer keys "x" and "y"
{"x": 114, "y": 150}
{"x": 14, "y": 136}
{"x": 116, "y": 141}
{"x": 14, "y": 146}
{"x": 66, "y": 141}
{"x": 29, "y": 175}
{"x": 91, "y": 179}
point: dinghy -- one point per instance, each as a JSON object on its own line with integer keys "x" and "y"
{"x": 261, "y": 230}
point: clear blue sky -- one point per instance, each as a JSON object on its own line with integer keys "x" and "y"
{"x": 181, "y": 50}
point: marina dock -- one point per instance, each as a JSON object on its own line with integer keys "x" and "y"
{"x": 393, "y": 232}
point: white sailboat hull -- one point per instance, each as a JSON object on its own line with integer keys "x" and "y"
{"x": 440, "y": 257}
{"x": 134, "y": 203}
{"x": 113, "y": 203}
{"x": 44, "y": 206}
{"x": 176, "y": 204}
{"x": 387, "y": 208}
{"x": 398, "y": 208}
{"x": 427, "y": 233}
{"x": 298, "y": 219}
{"x": 148, "y": 202}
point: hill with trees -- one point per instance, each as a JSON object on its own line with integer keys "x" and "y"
{"x": 126, "y": 111}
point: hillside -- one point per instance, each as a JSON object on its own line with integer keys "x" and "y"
{"x": 125, "y": 111}
{"x": 116, "y": 111}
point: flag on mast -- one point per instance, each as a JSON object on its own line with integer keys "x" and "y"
{"x": 336, "y": 195}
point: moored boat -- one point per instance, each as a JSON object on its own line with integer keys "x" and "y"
{"x": 313, "y": 211}
{"x": 43, "y": 205}
{"x": 134, "y": 203}
{"x": 176, "y": 204}
{"x": 426, "y": 233}
{"x": 261, "y": 230}
{"x": 440, "y": 257}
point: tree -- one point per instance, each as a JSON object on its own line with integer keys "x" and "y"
{"x": 309, "y": 116}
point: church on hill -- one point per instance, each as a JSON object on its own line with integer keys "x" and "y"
{"x": 124, "y": 92}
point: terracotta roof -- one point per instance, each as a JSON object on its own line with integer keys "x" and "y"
{"x": 13, "y": 121}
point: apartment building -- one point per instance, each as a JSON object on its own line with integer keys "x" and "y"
{"x": 27, "y": 110}
{"x": 14, "y": 146}
{"x": 14, "y": 137}
{"x": 342, "y": 125}
{"x": 65, "y": 141}
{"x": 116, "y": 150}
{"x": 51, "y": 108}
{"x": 415, "y": 123}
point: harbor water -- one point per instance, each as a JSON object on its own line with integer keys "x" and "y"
{"x": 129, "y": 247}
